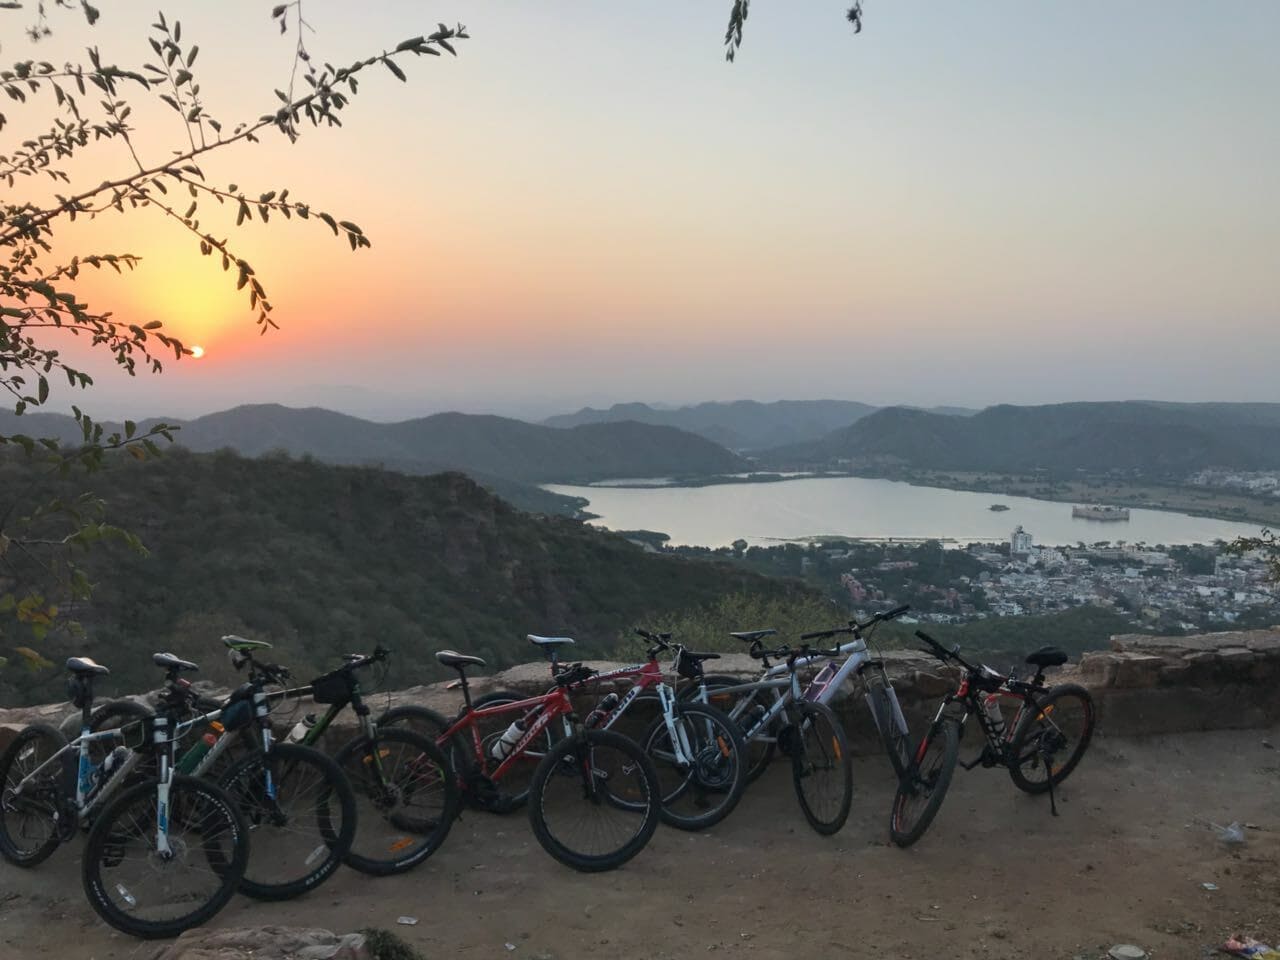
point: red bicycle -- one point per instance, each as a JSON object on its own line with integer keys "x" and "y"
{"x": 594, "y": 800}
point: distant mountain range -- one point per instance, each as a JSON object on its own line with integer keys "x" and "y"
{"x": 742, "y": 424}
{"x": 509, "y": 456}
{"x": 1150, "y": 438}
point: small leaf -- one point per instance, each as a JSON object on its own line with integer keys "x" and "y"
{"x": 391, "y": 65}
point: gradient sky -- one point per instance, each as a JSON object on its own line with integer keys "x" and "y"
{"x": 968, "y": 203}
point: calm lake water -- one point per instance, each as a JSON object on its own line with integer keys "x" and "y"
{"x": 763, "y": 513}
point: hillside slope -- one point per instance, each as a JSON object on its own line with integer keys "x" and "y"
{"x": 483, "y": 446}
{"x": 1153, "y": 439}
{"x": 321, "y": 560}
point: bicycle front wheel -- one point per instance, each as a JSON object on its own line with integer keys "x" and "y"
{"x": 1051, "y": 737}
{"x": 406, "y": 797}
{"x": 146, "y": 892}
{"x": 821, "y": 767}
{"x": 702, "y": 780}
{"x": 594, "y": 801}
{"x": 301, "y": 826}
{"x": 29, "y": 820}
{"x": 922, "y": 788}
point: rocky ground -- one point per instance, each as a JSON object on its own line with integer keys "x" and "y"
{"x": 997, "y": 877}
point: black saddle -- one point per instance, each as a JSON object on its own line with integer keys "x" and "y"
{"x": 751, "y": 636}
{"x": 1047, "y": 657}
{"x": 451, "y": 658}
{"x": 548, "y": 641}
{"x": 85, "y": 665}
{"x": 169, "y": 662}
{"x": 700, "y": 657}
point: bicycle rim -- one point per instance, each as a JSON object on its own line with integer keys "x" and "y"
{"x": 1050, "y": 740}
{"x": 29, "y": 823}
{"x": 298, "y": 837}
{"x": 701, "y": 787}
{"x": 405, "y": 794}
{"x": 822, "y": 769}
{"x": 922, "y": 790}
{"x": 142, "y": 892}
{"x": 594, "y": 801}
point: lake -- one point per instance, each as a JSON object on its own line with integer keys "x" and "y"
{"x": 763, "y": 513}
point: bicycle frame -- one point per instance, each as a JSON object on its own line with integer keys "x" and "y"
{"x": 546, "y": 708}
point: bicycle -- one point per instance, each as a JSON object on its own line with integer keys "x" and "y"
{"x": 756, "y": 705}
{"x": 607, "y": 774}
{"x": 1047, "y": 721}
{"x": 299, "y": 805}
{"x": 140, "y": 867}
{"x": 397, "y": 776}
{"x": 810, "y": 734}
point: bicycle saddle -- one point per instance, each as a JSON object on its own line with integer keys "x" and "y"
{"x": 701, "y": 656}
{"x": 85, "y": 665}
{"x": 233, "y": 642}
{"x": 548, "y": 641}
{"x": 169, "y": 662}
{"x": 751, "y": 636}
{"x": 1047, "y": 657}
{"x": 451, "y": 658}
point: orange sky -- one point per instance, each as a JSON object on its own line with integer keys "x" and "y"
{"x": 589, "y": 205}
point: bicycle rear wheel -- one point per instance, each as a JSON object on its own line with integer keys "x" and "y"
{"x": 29, "y": 823}
{"x": 144, "y": 893}
{"x": 594, "y": 800}
{"x": 922, "y": 789}
{"x": 1051, "y": 738}
{"x": 406, "y": 798}
{"x": 821, "y": 767}
{"x": 704, "y": 790}
{"x": 299, "y": 835}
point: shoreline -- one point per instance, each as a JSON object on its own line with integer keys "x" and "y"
{"x": 1005, "y": 487}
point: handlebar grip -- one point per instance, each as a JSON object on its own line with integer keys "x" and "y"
{"x": 895, "y": 612}
{"x": 817, "y": 634}
{"x": 644, "y": 634}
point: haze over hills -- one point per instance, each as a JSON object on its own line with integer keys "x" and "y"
{"x": 1151, "y": 438}
{"x": 501, "y": 452}
{"x": 739, "y": 425}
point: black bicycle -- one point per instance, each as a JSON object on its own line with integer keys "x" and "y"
{"x": 1043, "y": 743}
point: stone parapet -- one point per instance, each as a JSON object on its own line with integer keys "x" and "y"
{"x": 1141, "y": 685}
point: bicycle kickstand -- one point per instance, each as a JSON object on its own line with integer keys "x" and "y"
{"x": 1053, "y": 803}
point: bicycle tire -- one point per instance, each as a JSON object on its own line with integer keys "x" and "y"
{"x": 206, "y": 810}
{"x": 822, "y": 748}
{"x": 378, "y": 803}
{"x": 1031, "y": 727}
{"x": 565, "y": 763}
{"x": 335, "y": 817}
{"x": 896, "y": 744}
{"x": 761, "y": 748}
{"x": 937, "y": 781}
{"x": 719, "y": 770}
{"x": 20, "y": 751}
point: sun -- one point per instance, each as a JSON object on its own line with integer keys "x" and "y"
{"x": 197, "y": 352}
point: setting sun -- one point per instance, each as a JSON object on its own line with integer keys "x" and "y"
{"x": 197, "y": 352}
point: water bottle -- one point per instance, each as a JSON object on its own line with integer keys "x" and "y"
{"x": 300, "y": 729}
{"x": 113, "y": 763}
{"x": 995, "y": 718}
{"x": 191, "y": 759}
{"x": 602, "y": 710}
{"x": 507, "y": 742}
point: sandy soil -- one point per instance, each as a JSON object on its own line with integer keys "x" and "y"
{"x": 996, "y": 877}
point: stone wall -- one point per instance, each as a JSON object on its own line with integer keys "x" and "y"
{"x": 1141, "y": 685}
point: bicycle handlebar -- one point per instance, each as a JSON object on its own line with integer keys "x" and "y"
{"x": 855, "y": 627}
{"x": 804, "y": 650}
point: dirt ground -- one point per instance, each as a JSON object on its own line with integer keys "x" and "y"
{"x": 996, "y": 877}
